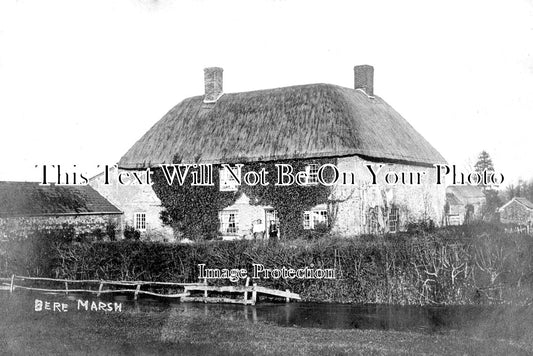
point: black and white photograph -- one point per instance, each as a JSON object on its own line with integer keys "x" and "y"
{"x": 268, "y": 177}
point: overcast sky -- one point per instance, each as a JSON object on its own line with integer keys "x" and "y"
{"x": 80, "y": 82}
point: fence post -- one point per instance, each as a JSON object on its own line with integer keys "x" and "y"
{"x": 287, "y": 297}
{"x": 246, "y": 288}
{"x": 205, "y": 290}
{"x": 137, "y": 291}
{"x": 66, "y": 288}
{"x": 100, "y": 289}
{"x": 11, "y": 288}
{"x": 254, "y": 294}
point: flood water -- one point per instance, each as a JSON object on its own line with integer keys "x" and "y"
{"x": 425, "y": 319}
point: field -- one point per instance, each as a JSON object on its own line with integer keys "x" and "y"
{"x": 138, "y": 331}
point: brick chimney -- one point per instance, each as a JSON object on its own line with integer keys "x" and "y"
{"x": 364, "y": 78}
{"x": 213, "y": 84}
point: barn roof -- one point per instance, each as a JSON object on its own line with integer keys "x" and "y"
{"x": 523, "y": 201}
{"x": 452, "y": 199}
{"x": 465, "y": 194}
{"x": 32, "y": 199}
{"x": 305, "y": 121}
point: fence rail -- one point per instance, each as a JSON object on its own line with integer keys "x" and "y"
{"x": 203, "y": 288}
{"x": 10, "y": 284}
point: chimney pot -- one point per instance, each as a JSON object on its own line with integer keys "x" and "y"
{"x": 213, "y": 84}
{"x": 364, "y": 78}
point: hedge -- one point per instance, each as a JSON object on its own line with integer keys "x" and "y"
{"x": 461, "y": 265}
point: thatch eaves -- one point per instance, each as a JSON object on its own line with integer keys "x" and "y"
{"x": 306, "y": 121}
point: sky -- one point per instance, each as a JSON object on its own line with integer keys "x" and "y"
{"x": 82, "y": 81}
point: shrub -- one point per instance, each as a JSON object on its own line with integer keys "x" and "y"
{"x": 111, "y": 231}
{"x": 130, "y": 233}
{"x": 459, "y": 264}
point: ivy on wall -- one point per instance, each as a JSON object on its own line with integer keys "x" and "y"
{"x": 292, "y": 200}
{"x": 190, "y": 210}
{"x": 193, "y": 210}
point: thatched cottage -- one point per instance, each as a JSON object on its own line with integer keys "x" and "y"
{"x": 29, "y": 206}
{"x": 351, "y": 126}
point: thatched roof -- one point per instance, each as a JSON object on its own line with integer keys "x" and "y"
{"x": 306, "y": 121}
{"x": 32, "y": 199}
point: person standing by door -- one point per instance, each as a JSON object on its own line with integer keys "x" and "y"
{"x": 258, "y": 229}
{"x": 273, "y": 230}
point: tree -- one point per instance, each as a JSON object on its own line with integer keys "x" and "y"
{"x": 493, "y": 201}
{"x": 484, "y": 164}
{"x": 521, "y": 189}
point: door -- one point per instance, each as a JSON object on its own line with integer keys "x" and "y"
{"x": 271, "y": 223}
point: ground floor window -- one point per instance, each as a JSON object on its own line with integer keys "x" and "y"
{"x": 228, "y": 221}
{"x": 139, "y": 221}
{"x": 315, "y": 218}
{"x": 394, "y": 219}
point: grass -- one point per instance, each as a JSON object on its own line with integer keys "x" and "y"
{"x": 184, "y": 330}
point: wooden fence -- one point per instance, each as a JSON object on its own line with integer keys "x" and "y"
{"x": 135, "y": 287}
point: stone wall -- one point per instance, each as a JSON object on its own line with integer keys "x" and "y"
{"x": 12, "y": 227}
{"x": 516, "y": 213}
{"x": 350, "y": 203}
{"x": 133, "y": 197}
{"x": 415, "y": 202}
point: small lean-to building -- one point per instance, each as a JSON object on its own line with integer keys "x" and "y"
{"x": 351, "y": 127}
{"x": 464, "y": 204}
{"x": 519, "y": 212}
{"x": 27, "y": 206}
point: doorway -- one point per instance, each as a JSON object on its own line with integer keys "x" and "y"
{"x": 272, "y": 223}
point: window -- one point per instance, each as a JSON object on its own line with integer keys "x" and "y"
{"x": 394, "y": 219}
{"x": 228, "y": 222}
{"x": 311, "y": 171}
{"x": 307, "y": 220}
{"x": 314, "y": 218}
{"x": 228, "y": 183}
{"x": 139, "y": 221}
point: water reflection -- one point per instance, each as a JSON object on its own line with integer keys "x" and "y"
{"x": 427, "y": 319}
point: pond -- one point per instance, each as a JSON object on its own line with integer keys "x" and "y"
{"x": 425, "y": 319}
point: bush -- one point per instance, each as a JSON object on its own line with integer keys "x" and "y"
{"x": 453, "y": 265}
{"x": 111, "y": 231}
{"x": 34, "y": 255}
{"x": 130, "y": 233}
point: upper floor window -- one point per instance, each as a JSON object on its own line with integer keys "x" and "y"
{"x": 227, "y": 179}
{"x": 311, "y": 174}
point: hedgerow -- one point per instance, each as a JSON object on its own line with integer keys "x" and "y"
{"x": 456, "y": 265}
